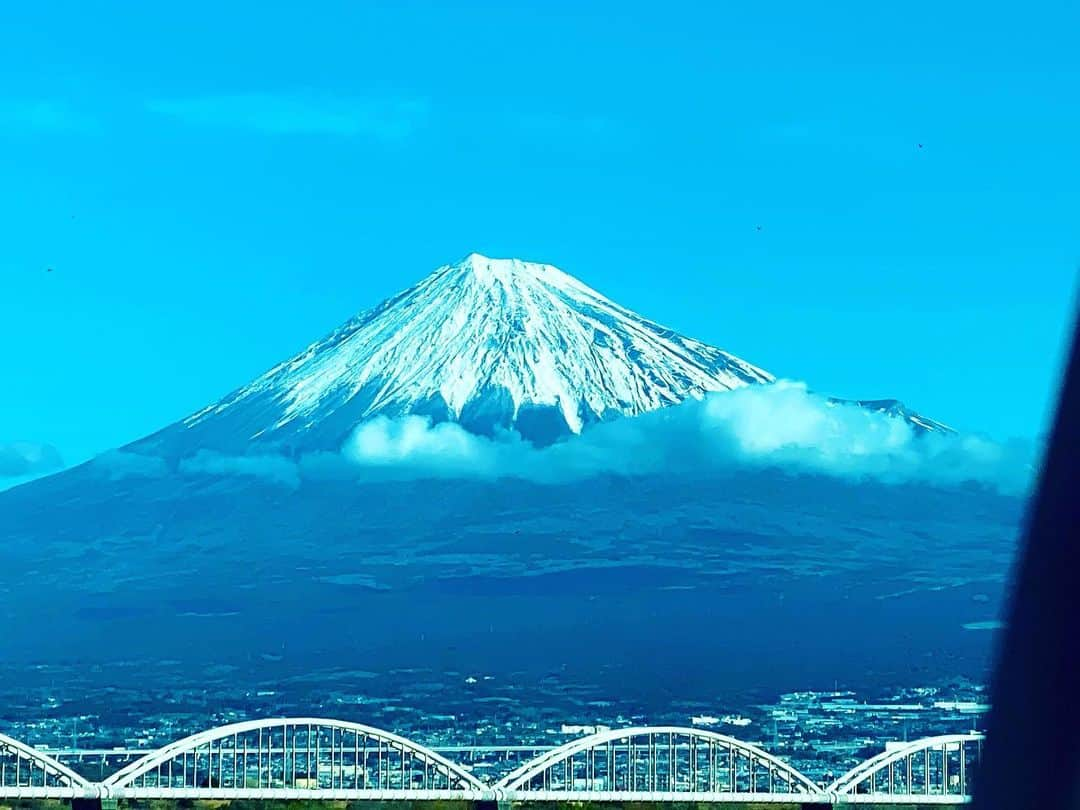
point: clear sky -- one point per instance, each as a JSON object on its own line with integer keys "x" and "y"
{"x": 217, "y": 184}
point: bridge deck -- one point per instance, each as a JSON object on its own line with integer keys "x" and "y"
{"x": 305, "y": 760}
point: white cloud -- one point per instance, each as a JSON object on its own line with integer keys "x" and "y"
{"x": 782, "y": 425}
{"x": 276, "y": 469}
{"x": 386, "y": 119}
{"x": 412, "y": 443}
{"x": 44, "y": 116}
{"x": 28, "y": 458}
{"x": 119, "y": 464}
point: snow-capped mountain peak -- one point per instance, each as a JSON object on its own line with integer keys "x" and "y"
{"x": 511, "y": 273}
{"x": 489, "y": 343}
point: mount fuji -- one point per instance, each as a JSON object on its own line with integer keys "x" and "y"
{"x": 492, "y": 344}
{"x": 141, "y": 558}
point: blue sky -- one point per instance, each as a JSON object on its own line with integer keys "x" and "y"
{"x": 216, "y": 185}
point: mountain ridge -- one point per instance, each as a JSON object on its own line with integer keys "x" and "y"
{"x": 493, "y": 344}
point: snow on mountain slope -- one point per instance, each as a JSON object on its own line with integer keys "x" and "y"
{"x": 897, "y": 409}
{"x": 489, "y": 343}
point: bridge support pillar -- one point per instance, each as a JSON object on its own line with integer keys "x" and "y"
{"x": 95, "y": 803}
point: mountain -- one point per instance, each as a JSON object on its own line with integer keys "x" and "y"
{"x": 148, "y": 574}
{"x": 897, "y": 409}
{"x": 492, "y": 344}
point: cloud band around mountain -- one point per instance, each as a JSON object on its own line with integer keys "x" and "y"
{"x": 782, "y": 426}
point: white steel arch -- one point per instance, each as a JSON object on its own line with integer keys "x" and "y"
{"x": 653, "y": 762}
{"x": 295, "y": 757}
{"x": 932, "y": 766}
{"x": 26, "y": 772}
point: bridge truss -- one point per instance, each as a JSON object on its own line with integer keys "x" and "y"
{"x": 294, "y": 758}
{"x": 316, "y": 758}
{"x": 935, "y": 766}
{"x": 653, "y": 764}
{"x": 26, "y": 772}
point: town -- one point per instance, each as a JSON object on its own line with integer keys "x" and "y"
{"x": 488, "y": 724}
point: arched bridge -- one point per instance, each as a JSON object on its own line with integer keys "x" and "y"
{"x": 294, "y": 758}
{"x": 317, "y": 758}
{"x": 27, "y": 773}
{"x": 935, "y": 766}
{"x": 663, "y": 762}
